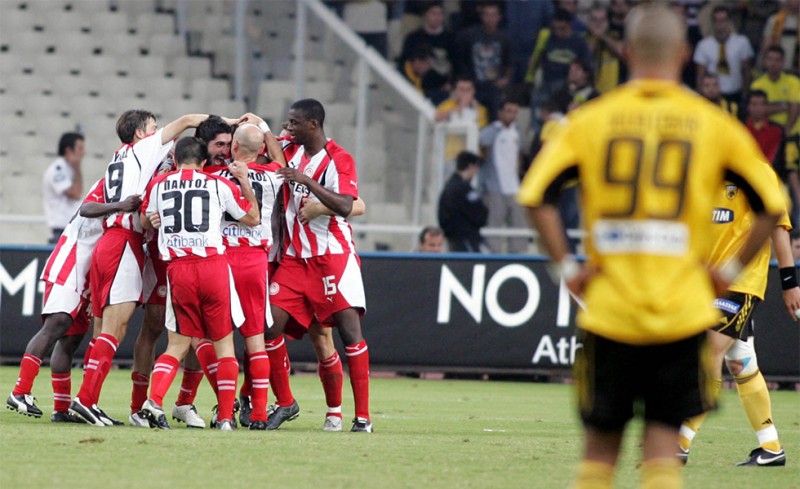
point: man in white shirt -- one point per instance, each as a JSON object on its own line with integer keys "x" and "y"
{"x": 62, "y": 184}
{"x": 727, "y": 54}
{"x": 499, "y": 177}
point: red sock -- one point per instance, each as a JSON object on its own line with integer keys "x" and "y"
{"x": 259, "y": 371}
{"x": 28, "y": 370}
{"x": 86, "y": 355}
{"x": 139, "y": 392}
{"x": 227, "y": 375}
{"x": 358, "y": 364}
{"x": 246, "y": 390}
{"x": 279, "y": 368}
{"x": 208, "y": 361}
{"x": 331, "y": 375}
{"x": 191, "y": 381}
{"x": 97, "y": 368}
{"x": 62, "y": 387}
{"x": 164, "y": 372}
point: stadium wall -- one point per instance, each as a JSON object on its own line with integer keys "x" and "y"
{"x": 457, "y": 313}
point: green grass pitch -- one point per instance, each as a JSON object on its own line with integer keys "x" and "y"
{"x": 428, "y": 434}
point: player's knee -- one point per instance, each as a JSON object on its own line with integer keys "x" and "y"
{"x": 56, "y": 325}
{"x": 741, "y": 358}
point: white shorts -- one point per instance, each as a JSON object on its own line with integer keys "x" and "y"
{"x": 61, "y": 299}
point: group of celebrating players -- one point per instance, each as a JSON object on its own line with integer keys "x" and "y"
{"x": 230, "y": 229}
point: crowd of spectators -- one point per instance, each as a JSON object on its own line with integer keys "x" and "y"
{"x": 469, "y": 57}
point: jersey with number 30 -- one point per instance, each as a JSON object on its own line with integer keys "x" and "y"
{"x": 190, "y": 205}
{"x": 650, "y": 157}
{"x": 129, "y": 173}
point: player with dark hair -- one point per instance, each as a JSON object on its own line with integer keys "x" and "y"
{"x": 116, "y": 270}
{"x": 319, "y": 277}
{"x": 62, "y": 184}
{"x": 650, "y": 157}
{"x": 186, "y": 206}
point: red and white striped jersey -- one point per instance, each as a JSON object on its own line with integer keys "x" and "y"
{"x": 68, "y": 264}
{"x": 334, "y": 169}
{"x": 191, "y": 204}
{"x": 132, "y": 168}
{"x": 265, "y": 183}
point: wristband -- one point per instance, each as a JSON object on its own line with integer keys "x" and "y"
{"x": 730, "y": 270}
{"x": 788, "y": 277}
{"x": 568, "y": 268}
{"x": 264, "y": 126}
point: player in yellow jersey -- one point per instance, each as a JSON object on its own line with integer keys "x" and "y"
{"x": 732, "y": 338}
{"x": 649, "y": 157}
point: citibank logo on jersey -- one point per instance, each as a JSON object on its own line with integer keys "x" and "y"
{"x": 237, "y": 231}
{"x": 178, "y": 241}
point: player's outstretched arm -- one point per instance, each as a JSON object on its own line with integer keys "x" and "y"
{"x": 274, "y": 148}
{"x": 788, "y": 272}
{"x": 97, "y": 209}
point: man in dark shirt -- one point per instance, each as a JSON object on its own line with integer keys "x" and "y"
{"x": 433, "y": 34}
{"x": 462, "y": 213}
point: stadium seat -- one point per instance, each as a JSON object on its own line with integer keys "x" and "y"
{"x": 206, "y": 90}
{"x": 160, "y": 89}
{"x": 134, "y": 8}
{"x": 17, "y": 20}
{"x": 166, "y": 45}
{"x": 109, "y": 22}
{"x": 99, "y": 66}
{"x": 29, "y": 43}
{"x": 25, "y": 84}
{"x": 77, "y": 44}
{"x": 227, "y": 108}
{"x": 273, "y": 98}
{"x": 149, "y": 24}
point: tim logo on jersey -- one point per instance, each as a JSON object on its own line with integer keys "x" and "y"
{"x": 720, "y": 215}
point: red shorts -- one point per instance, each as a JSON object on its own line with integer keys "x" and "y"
{"x": 59, "y": 299}
{"x": 249, "y": 268}
{"x": 292, "y": 328}
{"x": 316, "y": 288}
{"x": 199, "y": 297}
{"x": 154, "y": 280}
{"x": 116, "y": 272}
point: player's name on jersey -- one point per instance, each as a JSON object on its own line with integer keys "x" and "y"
{"x": 660, "y": 121}
{"x": 185, "y": 184}
{"x": 258, "y": 176}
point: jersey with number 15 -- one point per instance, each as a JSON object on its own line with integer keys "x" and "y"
{"x": 191, "y": 205}
{"x": 650, "y": 157}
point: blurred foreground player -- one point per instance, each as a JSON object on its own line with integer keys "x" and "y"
{"x": 650, "y": 157}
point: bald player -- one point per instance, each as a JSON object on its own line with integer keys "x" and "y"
{"x": 247, "y": 249}
{"x": 650, "y": 157}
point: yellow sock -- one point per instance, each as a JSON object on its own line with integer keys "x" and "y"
{"x": 754, "y": 395}
{"x": 691, "y": 426}
{"x": 594, "y": 475}
{"x": 662, "y": 473}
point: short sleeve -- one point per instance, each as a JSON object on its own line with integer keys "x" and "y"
{"x": 96, "y": 194}
{"x": 150, "y": 153}
{"x": 554, "y": 161}
{"x": 60, "y": 178}
{"x": 346, "y": 174}
{"x": 232, "y": 199}
{"x": 149, "y": 202}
